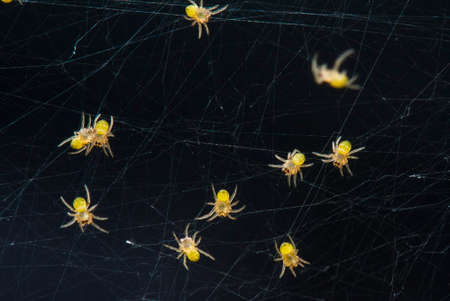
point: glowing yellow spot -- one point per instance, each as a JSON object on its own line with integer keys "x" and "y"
{"x": 344, "y": 147}
{"x": 339, "y": 81}
{"x": 76, "y": 143}
{"x": 298, "y": 159}
{"x": 79, "y": 204}
{"x": 223, "y": 195}
{"x": 102, "y": 127}
{"x": 7, "y": 1}
{"x": 286, "y": 248}
{"x": 191, "y": 11}
{"x": 193, "y": 255}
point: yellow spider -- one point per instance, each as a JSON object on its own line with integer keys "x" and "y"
{"x": 292, "y": 165}
{"x": 82, "y": 212}
{"x": 340, "y": 155}
{"x": 223, "y": 205}
{"x": 103, "y": 132}
{"x": 9, "y": 1}
{"x": 288, "y": 254}
{"x": 87, "y": 137}
{"x": 333, "y": 77}
{"x": 187, "y": 247}
{"x": 200, "y": 15}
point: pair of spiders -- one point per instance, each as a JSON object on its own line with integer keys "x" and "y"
{"x": 294, "y": 162}
{"x": 222, "y": 207}
{"x": 93, "y": 134}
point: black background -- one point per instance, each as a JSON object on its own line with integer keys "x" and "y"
{"x": 192, "y": 112}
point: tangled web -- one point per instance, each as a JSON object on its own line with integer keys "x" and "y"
{"x": 192, "y": 112}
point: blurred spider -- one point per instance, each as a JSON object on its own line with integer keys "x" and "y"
{"x": 82, "y": 213}
{"x": 9, "y": 1}
{"x": 200, "y": 15}
{"x": 288, "y": 254}
{"x": 292, "y": 165}
{"x": 187, "y": 247}
{"x": 223, "y": 205}
{"x": 340, "y": 155}
{"x": 332, "y": 76}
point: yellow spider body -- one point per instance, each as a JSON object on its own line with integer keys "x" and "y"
{"x": 223, "y": 205}
{"x": 82, "y": 212}
{"x": 9, "y": 1}
{"x": 292, "y": 165}
{"x": 340, "y": 155}
{"x": 335, "y": 78}
{"x": 288, "y": 254}
{"x": 103, "y": 133}
{"x": 200, "y": 15}
{"x": 90, "y": 135}
{"x": 188, "y": 247}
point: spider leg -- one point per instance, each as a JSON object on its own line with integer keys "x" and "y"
{"x": 208, "y": 215}
{"x": 179, "y": 255}
{"x": 88, "y": 196}
{"x": 315, "y": 69}
{"x": 214, "y": 193}
{"x": 348, "y": 169}
{"x": 295, "y": 180}
{"x": 278, "y": 259}
{"x": 65, "y": 141}
{"x": 199, "y": 30}
{"x": 67, "y": 205}
{"x": 307, "y": 165}
{"x": 238, "y": 210}
{"x": 342, "y": 58}
{"x": 322, "y": 155}
{"x": 301, "y": 175}
{"x": 176, "y": 238}
{"x": 184, "y": 262}
{"x": 219, "y": 10}
{"x": 327, "y": 160}
{"x": 99, "y": 218}
{"x": 282, "y": 271}
{"x": 275, "y": 166}
{"x": 96, "y": 119}
{"x": 211, "y": 8}
{"x": 206, "y": 254}
{"x": 231, "y": 217}
{"x": 194, "y": 236}
{"x": 356, "y": 150}
{"x": 292, "y": 270}
{"x": 99, "y": 228}
{"x": 198, "y": 241}
{"x": 281, "y": 159}
{"x": 292, "y": 241}
{"x": 212, "y": 217}
{"x": 233, "y": 195}
{"x": 193, "y": 3}
{"x": 172, "y": 248}
{"x": 69, "y": 223}
{"x": 302, "y": 261}
{"x": 206, "y": 28}
{"x": 78, "y": 151}
{"x": 353, "y": 157}
{"x": 186, "y": 230}
{"x": 340, "y": 171}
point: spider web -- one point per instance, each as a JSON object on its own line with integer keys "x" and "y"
{"x": 189, "y": 113}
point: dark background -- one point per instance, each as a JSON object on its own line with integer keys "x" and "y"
{"x": 192, "y": 112}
